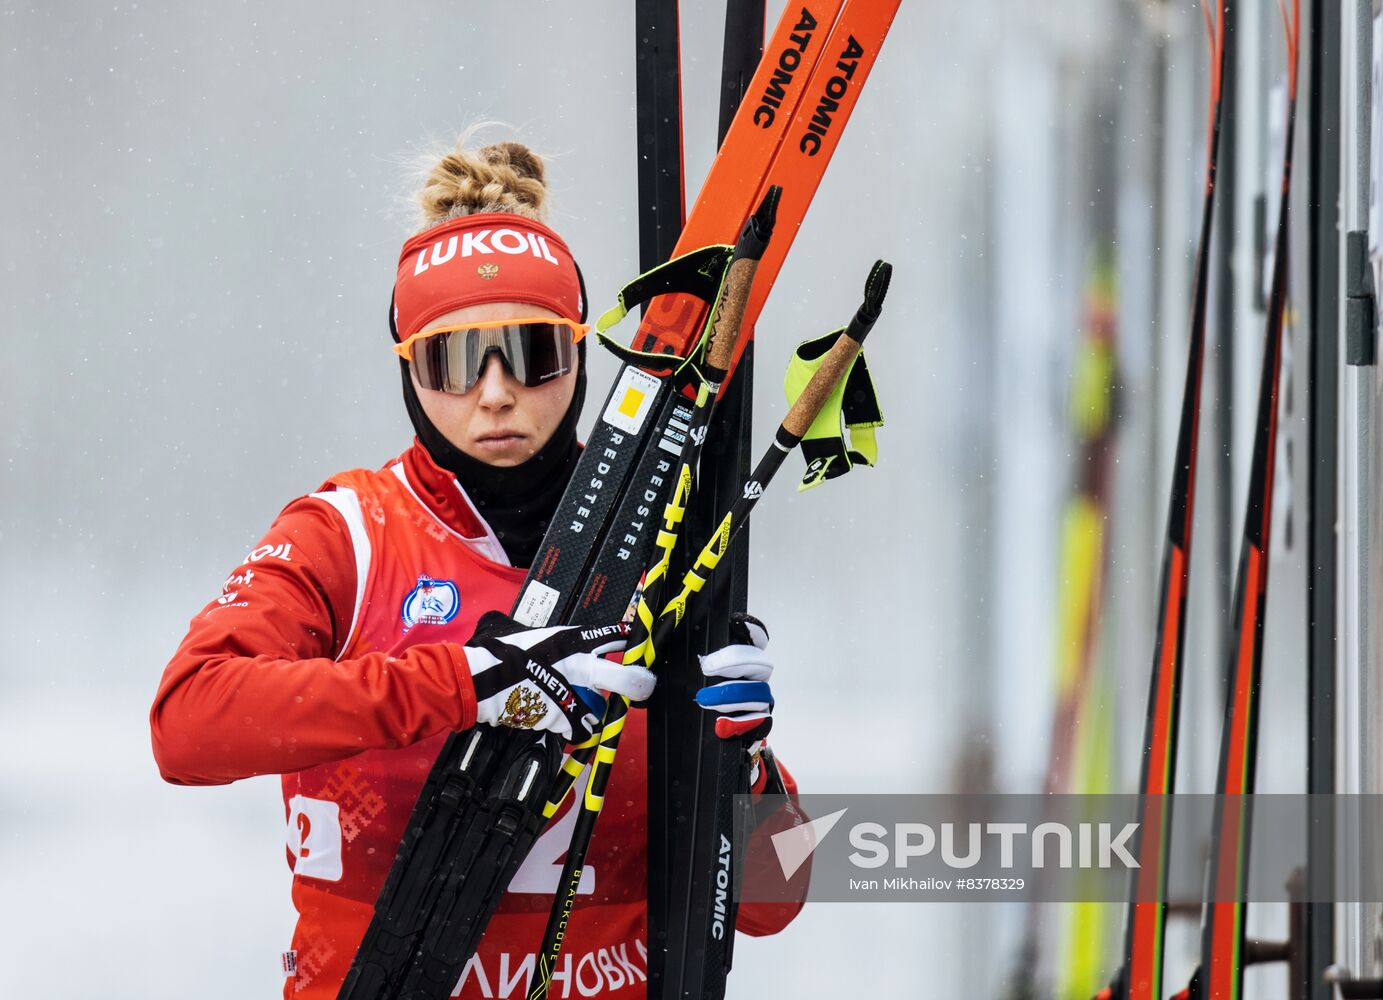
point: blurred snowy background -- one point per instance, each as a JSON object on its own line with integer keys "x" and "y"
{"x": 203, "y": 207}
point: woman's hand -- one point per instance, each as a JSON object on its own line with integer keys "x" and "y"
{"x": 546, "y": 678}
{"x": 737, "y": 675}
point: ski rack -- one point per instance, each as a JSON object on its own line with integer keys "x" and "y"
{"x": 1258, "y": 951}
{"x": 1263, "y": 952}
{"x": 1351, "y": 988}
{"x": 1293, "y": 949}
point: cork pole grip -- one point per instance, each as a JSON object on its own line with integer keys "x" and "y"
{"x": 725, "y": 333}
{"x": 842, "y": 354}
{"x": 833, "y": 368}
{"x": 732, "y": 302}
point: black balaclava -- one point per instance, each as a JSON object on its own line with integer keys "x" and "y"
{"x": 517, "y": 502}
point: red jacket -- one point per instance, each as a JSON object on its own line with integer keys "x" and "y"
{"x": 332, "y": 657}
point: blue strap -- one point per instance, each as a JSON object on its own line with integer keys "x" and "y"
{"x": 735, "y": 693}
{"x": 592, "y": 699}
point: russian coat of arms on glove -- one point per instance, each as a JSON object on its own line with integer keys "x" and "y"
{"x": 524, "y": 709}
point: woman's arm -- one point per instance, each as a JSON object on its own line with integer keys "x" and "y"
{"x": 759, "y": 919}
{"x": 254, "y": 687}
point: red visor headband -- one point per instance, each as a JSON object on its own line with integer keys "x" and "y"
{"x": 492, "y": 257}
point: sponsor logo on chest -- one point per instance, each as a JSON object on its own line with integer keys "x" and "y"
{"x": 431, "y": 602}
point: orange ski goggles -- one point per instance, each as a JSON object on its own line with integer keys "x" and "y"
{"x": 451, "y": 358}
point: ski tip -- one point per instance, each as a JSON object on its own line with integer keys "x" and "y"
{"x": 766, "y": 215}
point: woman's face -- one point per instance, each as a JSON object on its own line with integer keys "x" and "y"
{"x": 500, "y": 421}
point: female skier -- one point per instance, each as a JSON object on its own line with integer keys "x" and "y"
{"x": 339, "y": 654}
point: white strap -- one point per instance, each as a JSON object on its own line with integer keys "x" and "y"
{"x": 347, "y": 504}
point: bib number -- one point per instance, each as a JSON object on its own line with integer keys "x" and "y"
{"x": 314, "y": 838}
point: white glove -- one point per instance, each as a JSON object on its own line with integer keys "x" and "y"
{"x": 546, "y": 678}
{"x": 737, "y": 676}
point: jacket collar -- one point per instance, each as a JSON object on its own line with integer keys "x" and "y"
{"x": 442, "y": 494}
